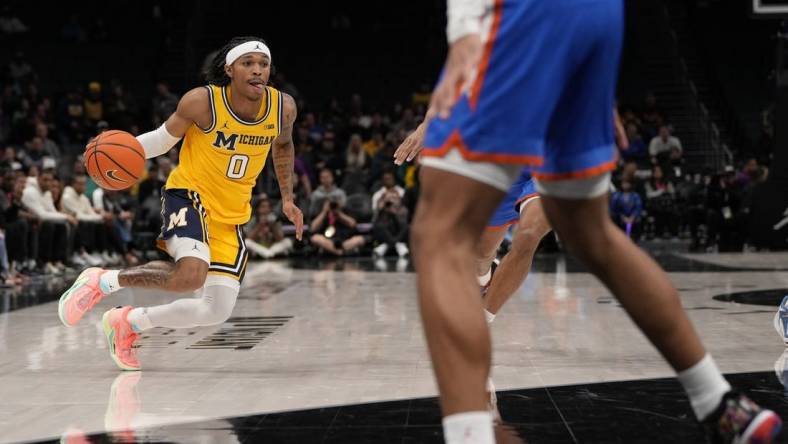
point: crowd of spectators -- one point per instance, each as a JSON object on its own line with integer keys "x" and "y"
{"x": 54, "y": 217}
{"x": 658, "y": 196}
{"x": 355, "y": 200}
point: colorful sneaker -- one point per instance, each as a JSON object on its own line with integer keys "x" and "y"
{"x": 81, "y": 297}
{"x": 738, "y": 420}
{"x": 121, "y": 338}
{"x": 493, "y": 266}
{"x": 781, "y": 320}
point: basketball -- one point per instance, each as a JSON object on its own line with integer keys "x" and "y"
{"x": 115, "y": 160}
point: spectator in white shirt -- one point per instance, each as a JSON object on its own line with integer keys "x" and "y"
{"x": 91, "y": 230}
{"x": 53, "y": 233}
{"x": 663, "y": 143}
{"x": 389, "y": 184}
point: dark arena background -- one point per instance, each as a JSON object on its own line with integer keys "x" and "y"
{"x": 325, "y": 341}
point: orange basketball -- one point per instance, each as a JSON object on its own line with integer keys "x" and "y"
{"x": 115, "y": 160}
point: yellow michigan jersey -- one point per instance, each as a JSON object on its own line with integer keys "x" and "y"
{"x": 207, "y": 197}
{"x": 222, "y": 162}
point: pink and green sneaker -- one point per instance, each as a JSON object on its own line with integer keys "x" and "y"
{"x": 121, "y": 338}
{"x": 81, "y": 297}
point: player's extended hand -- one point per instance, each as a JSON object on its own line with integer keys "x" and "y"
{"x": 411, "y": 146}
{"x": 464, "y": 56}
{"x": 295, "y": 216}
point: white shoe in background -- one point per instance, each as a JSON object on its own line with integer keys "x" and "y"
{"x": 106, "y": 257}
{"x": 402, "y": 264}
{"x": 380, "y": 250}
{"x": 78, "y": 260}
{"x": 50, "y": 268}
{"x": 115, "y": 259}
{"x": 92, "y": 259}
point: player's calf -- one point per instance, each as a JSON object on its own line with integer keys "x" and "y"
{"x": 188, "y": 274}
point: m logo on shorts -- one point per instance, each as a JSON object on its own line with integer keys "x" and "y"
{"x": 177, "y": 219}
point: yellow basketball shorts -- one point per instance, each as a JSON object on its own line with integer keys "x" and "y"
{"x": 188, "y": 231}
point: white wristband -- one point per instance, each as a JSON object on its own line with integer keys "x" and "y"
{"x": 157, "y": 142}
{"x": 464, "y": 17}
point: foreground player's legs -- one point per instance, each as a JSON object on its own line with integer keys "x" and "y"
{"x": 514, "y": 267}
{"x": 446, "y": 229}
{"x": 653, "y": 304}
{"x": 212, "y": 305}
{"x": 93, "y": 284}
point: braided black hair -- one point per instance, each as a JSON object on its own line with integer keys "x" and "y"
{"x": 215, "y": 73}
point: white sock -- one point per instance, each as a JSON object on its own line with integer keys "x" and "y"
{"x": 469, "y": 428}
{"x": 704, "y": 385}
{"x": 490, "y": 316}
{"x": 139, "y": 320}
{"x": 485, "y": 278}
{"x": 109, "y": 281}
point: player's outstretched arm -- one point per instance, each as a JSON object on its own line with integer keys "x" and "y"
{"x": 194, "y": 107}
{"x": 411, "y": 146}
{"x": 283, "y": 153}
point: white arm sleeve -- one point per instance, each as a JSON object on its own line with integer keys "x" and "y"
{"x": 464, "y": 17}
{"x": 157, "y": 142}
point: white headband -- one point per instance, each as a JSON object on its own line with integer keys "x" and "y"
{"x": 245, "y": 48}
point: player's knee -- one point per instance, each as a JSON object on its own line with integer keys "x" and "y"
{"x": 188, "y": 276}
{"x": 218, "y": 300}
{"x": 214, "y": 314}
{"x": 590, "y": 248}
{"x": 527, "y": 240}
{"x": 185, "y": 283}
{"x": 424, "y": 239}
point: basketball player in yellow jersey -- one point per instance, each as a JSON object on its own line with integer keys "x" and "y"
{"x": 228, "y": 128}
